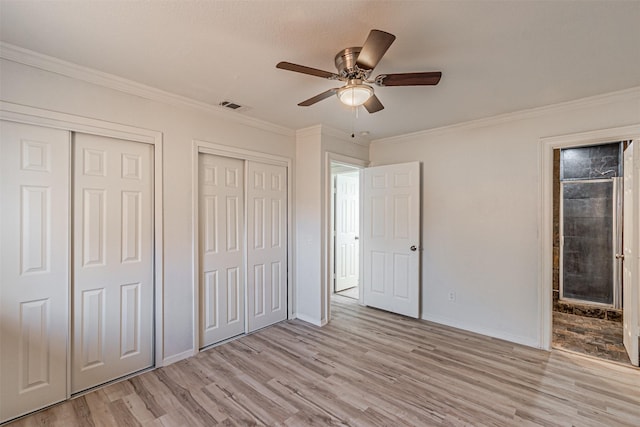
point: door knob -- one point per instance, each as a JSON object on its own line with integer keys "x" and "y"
{"x": 619, "y": 256}
{"x": 356, "y": 237}
{"x": 413, "y": 248}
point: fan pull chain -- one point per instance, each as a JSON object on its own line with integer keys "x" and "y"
{"x": 353, "y": 124}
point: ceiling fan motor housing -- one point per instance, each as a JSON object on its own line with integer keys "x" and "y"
{"x": 345, "y": 61}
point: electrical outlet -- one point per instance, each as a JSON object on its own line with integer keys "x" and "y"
{"x": 452, "y": 296}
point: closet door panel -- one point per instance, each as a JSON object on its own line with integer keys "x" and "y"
{"x": 113, "y": 285}
{"x": 34, "y": 267}
{"x": 267, "y": 247}
{"x": 221, "y": 230}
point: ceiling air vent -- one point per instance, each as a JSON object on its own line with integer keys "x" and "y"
{"x": 232, "y": 106}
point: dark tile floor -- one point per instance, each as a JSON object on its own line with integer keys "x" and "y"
{"x": 594, "y": 337}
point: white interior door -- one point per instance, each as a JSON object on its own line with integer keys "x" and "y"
{"x": 221, "y": 223}
{"x": 347, "y": 229}
{"x": 266, "y": 244}
{"x": 113, "y": 284}
{"x": 631, "y": 233}
{"x": 391, "y": 238}
{"x": 34, "y": 267}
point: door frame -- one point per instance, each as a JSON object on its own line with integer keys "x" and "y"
{"x": 545, "y": 212}
{"x": 327, "y": 225}
{"x": 217, "y": 149}
{"x": 73, "y": 123}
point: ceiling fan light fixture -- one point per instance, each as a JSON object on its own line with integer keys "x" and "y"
{"x": 355, "y": 95}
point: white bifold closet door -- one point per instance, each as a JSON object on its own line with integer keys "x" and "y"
{"x": 112, "y": 330}
{"x": 267, "y": 245}
{"x": 34, "y": 267}
{"x": 76, "y": 226}
{"x": 243, "y": 247}
{"x": 221, "y": 213}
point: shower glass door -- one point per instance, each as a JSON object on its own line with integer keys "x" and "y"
{"x": 590, "y": 240}
{"x": 590, "y": 224}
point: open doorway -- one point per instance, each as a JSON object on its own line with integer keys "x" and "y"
{"x": 345, "y": 226}
{"x": 373, "y": 235}
{"x": 587, "y": 243}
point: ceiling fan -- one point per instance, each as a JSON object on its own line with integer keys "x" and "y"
{"x": 355, "y": 65}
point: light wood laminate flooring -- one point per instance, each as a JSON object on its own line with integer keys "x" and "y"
{"x": 365, "y": 368}
{"x": 350, "y": 293}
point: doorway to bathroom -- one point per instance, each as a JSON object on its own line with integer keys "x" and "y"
{"x": 587, "y": 261}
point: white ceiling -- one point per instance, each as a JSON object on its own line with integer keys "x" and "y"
{"x": 496, "y": 56}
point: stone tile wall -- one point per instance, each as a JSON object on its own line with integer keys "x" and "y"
{"x": 594, "y": 162}
{"x": 587, "y": 310}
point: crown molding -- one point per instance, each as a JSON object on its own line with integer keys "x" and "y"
{"x": 591, "y": 101}
{"x": 33, "y": 59}
{"x": 320, "y": 130}
{"x": 309, "y": 132}
{"x": 345, "y": 136}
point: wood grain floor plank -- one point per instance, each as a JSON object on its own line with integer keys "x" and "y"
{"x": 365, "y": 368}
{"x": 242, "y": 389}
{"x": 147, "y": 397}
{"x": 118, "y": 389}
{"x": 98, "y": 402}
{"x": 138, "y": 408}
{"x": 123, "y": 416}
{"x": 169, "y": 403}
{"x": 82, "y": 411}
{"x": 227, "y": 404}
{"x": 184, "y": 397}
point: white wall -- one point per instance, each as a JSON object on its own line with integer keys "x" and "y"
{"x": 313, "y": 146}
{"x": 180, "y": 125}
{"x": 308, "y": 209}
{"x": 480, "y": 207}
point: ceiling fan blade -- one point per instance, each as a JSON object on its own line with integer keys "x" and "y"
{"x": 306, "y": 70}
{"x": 409, "y": 79}
{"x": 373, "y": 104}
{"x": 319, "y": 97}
{"x": 374, "y": 49}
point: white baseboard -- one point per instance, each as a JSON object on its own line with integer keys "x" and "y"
{"x": 177, "y": 357}
{"x": 308, "y": 319}
{"x": 518, "y": 339}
